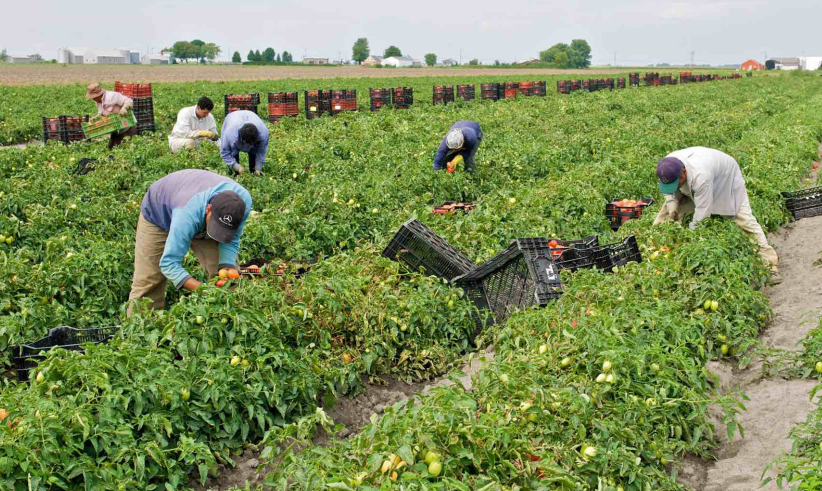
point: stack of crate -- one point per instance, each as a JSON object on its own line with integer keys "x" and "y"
{"x": 65, "y": 129}
{"x": 282, "y": 104}
{"x": 317, "y": 103}
{"x": 509, "y": 90}
{"x": 633, "y": 79}
{"x": 609, "y": 83}
{"x": 563, "y": 86}
{"x": 241, "y": 102}
{"x": 443, "y": 94}
{"x": 620, "y": 83}
{"x": 576, "y": 85}
{"x": 343, "y": 100}
{"x": 466, "y": 92}
{"x": 143, "y": 104}
{"x": 379, "y": 98}
{"x": 541, "y": 88}
{"x": 402, "y": 97}
{"x": 489, "y": 91}
{"x": 526, "y": 88}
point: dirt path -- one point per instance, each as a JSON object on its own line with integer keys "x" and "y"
{"x": 775, "y": 405}
{"x": 354, "y": 413}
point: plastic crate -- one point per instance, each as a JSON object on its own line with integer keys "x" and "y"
{"x": 419, "y": 247}
{"x": 619, "y": 212}
{"x": 526, "y": 88}
{"x": 443, "y": 94}
{"x": 466, "y": 92}
{"x": 65, "y": 129}
{"x": 343, "y": 100}
{"x": 573, "y": 254}
{"x": 379, "y": 98}
{"x": 280, "y": 110}
{"x": 619, "y": 254}
{"x": 133, "y": 90}
{"x": 804, "y": 203}
{"x": 402, "y": 97}
{"x": 540, "y": 88}
{"x": 620, "y": 83}
{"x": 241, "y": 102}
{"x": 317, "y": 103}
{"x": 109, "y": 124}
{"x": 144, "y": 113}
{"x": 282, "y": 98}
{"x": 521, "y": 276}
{"x": 489, "y": 92}
{"x": 28, "y": 355}
{"x": 451, "y": 207}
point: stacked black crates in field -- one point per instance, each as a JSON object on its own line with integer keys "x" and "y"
{"x": 633, "y": 79}
{"x": 443, "y": 94}
{"x": 563, "y": 86}
{"x": 379, "y": 98}
{"x": 65, "y": 129}
{"x": 466, "y": 92}
{"x": 241, "y": 102}
{"x": 281, "y": 105}
{"x": 402, "y": 97}
{"x": 143, "y": 104}
{"x": 541, "y": 88}
{"x": 317, "y": 103}
{"x": 804, "y": 203}
{"x": 620, "y": 83}
{"x": 526, "y": 88}
{"x": 490, "y": 91}
{"x": 343, "y": 100}
{"x": 509, "y": 90}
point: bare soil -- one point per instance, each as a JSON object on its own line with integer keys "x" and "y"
{"x": 774, "y": 405}
{"x": 72, "y": 74}
{"x": 354, "y": 413}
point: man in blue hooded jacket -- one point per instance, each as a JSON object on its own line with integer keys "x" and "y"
{"x": 463, "y": 139}
{"x": 188, "y": 209}
{"x": 244, "y": 131}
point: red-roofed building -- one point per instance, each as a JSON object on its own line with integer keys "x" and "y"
{"x": 752, "y": 65}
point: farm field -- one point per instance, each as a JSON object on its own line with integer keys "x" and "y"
{"x": 177, "y": 394}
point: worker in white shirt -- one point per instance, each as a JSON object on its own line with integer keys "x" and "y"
{"x": 193, "y": 124}
{"x": 706, "y": 182}
{"x": 109, "y": 102}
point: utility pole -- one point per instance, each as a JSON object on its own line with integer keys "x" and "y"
{"x": 614, "y": 58}
{"x": 460, "y": 56}
{"x": 692, "y": 59}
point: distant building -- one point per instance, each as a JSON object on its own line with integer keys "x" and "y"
{"x": 98, "y": 56}
{"x": 782, "y": 64}
{"x": 398, "y": 61}
{"x": 449, "y": 62}
{"x": 417, "y": 63}
{"x": 372, "y": 60}
{"x": 161, "y": 59}
{"x": 18, "y": 59}
{"x": 315, "y": 61}
{"x": 752, "y": 65}
{"x": 810, "y": 62}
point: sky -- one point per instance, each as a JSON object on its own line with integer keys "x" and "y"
{"x": 634, "y": 32}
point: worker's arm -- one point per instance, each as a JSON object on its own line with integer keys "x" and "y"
{"x": 442, "y": 153}
{"x": 183, "y": 228}
{"x": 228, "y": 152}
{"x": 702, "y": 194}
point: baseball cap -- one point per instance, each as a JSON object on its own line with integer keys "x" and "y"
{"x": 454, "y": 139}
{"x": 227, "y": 213}
{"x": 668, "y": 170}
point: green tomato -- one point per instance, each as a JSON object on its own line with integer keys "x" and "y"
{"x": 186, "y": 394}
{"x": 707, "y": 305}
{"x": 434, "y": 468}
{"x": 565, "y": 363}
{"x": 606, "y": 366}
{"x": 819, "y": 367}
{"x": 199, "y": 320}
{"x": 724, "y": 349}
{"x": 431, "y": 456}
{"x": 714, "y": 305}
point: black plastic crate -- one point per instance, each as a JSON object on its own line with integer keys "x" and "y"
{"x": 28, "y": 355}
{"x": 65, "y": 129}
{"x": 343, "y": 100}
{"x": 490, "y": 91}
{"x": 317, "y": 103}
{"x": 619, "y": 212}
{"x": 402, "y": 97}
{"x": 541, "y": 88}
{"x": 574, "y": 254}
{"x": 419, "y": 247}
{"x": 466, "y": 92}
{"x": 804, "y": 203}
{"x": 238, "y": 102}
{"x": 379, "y": 98}
{"x": 443, "y": 94}
{"x": 521, "y": 276}
{"x": 619, "y": 254}
{"x": 282, "y": 98}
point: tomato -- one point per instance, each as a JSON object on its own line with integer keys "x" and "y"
{"x": 724, "y": 349}
{"x": 503, "y": 378}
{"x": 431, "y": 456}
{"x": 610, "y": 379}
{"x": 565, "y": 363}
{"x": 186, "y": 394}
{"x": 818, "y": 370}
{"x": 553, "y": 244}
{"x": 714, "y": 305}
{"x": 386, "y": 466}
{"x": 3, "y": 414}
{"x": 589, "y": 451}
{"x": 434, "y": 468}
{"x": 543, "y": 348}
{"x": 707, "y": 305}
{"x": 233, "y": 274}
{"x": 245, "y": 363}
{"x": 223, "y": 273}
{"x": 601, "y": 378}
{"x": 40, "y": 377}
{"x": 235, "y": 360}
{"x": 199, "y": 320}
{"x": 346, "y": 358}
{"x": 606, "y": 366}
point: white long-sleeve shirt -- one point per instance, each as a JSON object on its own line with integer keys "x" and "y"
{"x": 188, "y": 124}
{"x": 112, "y": 103}
{"x": 715, "y": 183}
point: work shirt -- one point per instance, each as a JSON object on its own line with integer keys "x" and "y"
{"x": 231, "y": 145}
{"x": 188, "y": 124}
{"x": 112, "y": 103}
{"x": 473, "y": 136}
{"x": 177, "y": 204}
{"x": 715, "y": 183}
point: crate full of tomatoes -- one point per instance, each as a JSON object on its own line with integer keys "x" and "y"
{"x": 451, "y": 206}
{"x": 282, "y": 104}
{"x": 241, "y": 102}
{"x": 620, "y": 211}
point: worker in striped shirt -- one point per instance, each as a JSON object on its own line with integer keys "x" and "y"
{"x": 109, "y": 102}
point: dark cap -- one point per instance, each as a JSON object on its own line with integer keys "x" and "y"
{"x": 668, "y": 171}
{"x": 227, "y": 213}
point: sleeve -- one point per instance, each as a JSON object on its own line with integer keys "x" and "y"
{"x": 182, "y": 230}
{"x": 703, "y": 201}
{"x": 227, "y": 152}
{"x": 439, "y": 159}
{"x": 122, "y": 101}
{"x": 262, "y": 148}
{"x": 182, "y": 128}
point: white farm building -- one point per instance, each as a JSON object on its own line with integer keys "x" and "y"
{"x": 98, "y": 56}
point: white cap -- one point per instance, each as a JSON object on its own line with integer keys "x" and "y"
{"x": 454, "y": 139}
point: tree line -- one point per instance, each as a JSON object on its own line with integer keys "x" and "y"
{"x": 197, "y": 50}
{"x": 267, "y": 56}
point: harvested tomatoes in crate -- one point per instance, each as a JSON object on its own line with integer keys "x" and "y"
{"x": 620, "y": 211}
{"x": 452, "y": 206}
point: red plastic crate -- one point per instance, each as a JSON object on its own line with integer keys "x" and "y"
{"x": 133, "y": 90}
{"x": 619, "y": 211}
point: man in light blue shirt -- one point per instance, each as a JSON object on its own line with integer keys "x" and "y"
{"x": 188, "y": 209}
{"x": 244, "y": 131}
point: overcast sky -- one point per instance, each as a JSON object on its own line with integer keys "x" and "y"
{"x": 638, "y": 31}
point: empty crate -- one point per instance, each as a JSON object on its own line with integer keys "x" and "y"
{"x": 418, "y": 247}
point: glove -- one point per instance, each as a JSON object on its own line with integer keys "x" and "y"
{"x": 124, "y": 111}
{"x": 207, "y": 134}
{"x": 257, "y": 172}
{"x": 668, "y": 212}
{"x": 239, "y": 169}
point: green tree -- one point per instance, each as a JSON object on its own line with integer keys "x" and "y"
{"x": 268, "y": 55}
{"x": 287, "y": 58}
{"x": 258, "y": 57}
{"x": 182, "y": 50}
{"x": 580, "y": 54}
{"x": 391, "y": 51}
{"x": 431, "y": 59}
{"x": 361, "y": 51}
{"x": 562, "y": 60}
{"x": 550, "y": 54}
{"x": 251, "y": 56}
{"x": 210, "y": 51}
{"x": 196, "y": 50}
{"x": 236, "y": 58}
{"x": 279, "y": 60}
{"x": 474, "y": 62}
{"x": 3, "y": 55}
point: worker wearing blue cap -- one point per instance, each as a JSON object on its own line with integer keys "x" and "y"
{"x": 706, "y": 182}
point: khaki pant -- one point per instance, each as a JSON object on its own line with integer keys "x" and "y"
{"x": 744, "y": 218}
{"x": 149, "y": 282}
{"x": 177, "y": 144}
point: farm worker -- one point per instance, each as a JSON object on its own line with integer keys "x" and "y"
{"x": 244, "y": 131}
{"x": 193, "y": 124}
{"x": 462, "y": 141}
{"x": 109, "y": 102}
{"x": 706, "y": 182}
{"x": 188, "y": 209}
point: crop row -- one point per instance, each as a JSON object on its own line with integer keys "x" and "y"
{"x": 164, "y": 400}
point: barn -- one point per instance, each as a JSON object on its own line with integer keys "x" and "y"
{"x": 752, "y": 65}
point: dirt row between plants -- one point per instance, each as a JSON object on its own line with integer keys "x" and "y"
{"x": 352, "y": 412}
{"x": 774, "y": 405}
{"x": 84, "y": 74}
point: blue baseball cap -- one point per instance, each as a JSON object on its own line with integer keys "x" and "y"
{"x": 668, "y": 170}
